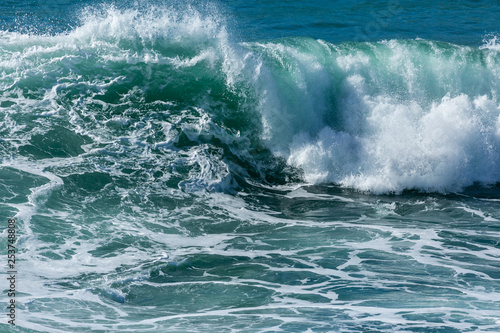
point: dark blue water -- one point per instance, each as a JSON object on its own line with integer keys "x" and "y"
{"x": 251, "y": 166}
{"x": 461, "y": 22}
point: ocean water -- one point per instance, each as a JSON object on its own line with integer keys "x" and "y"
{"x": 296, "y": 166}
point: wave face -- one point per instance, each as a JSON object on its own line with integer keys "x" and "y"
{"x": 174, "y": 87}
{"x": 386, "y": 116}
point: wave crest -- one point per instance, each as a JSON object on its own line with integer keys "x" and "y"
{"x": 381, "y": 117}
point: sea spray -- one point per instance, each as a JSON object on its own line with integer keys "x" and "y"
{"x": 375, "y": 116}
{"x": 385, "y": 116}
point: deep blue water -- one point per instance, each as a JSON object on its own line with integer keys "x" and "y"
{"x": 251, "y": 166}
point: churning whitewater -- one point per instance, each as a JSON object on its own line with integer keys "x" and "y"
{"x": 382, "y": 116}
{"x": 166, "y": 175}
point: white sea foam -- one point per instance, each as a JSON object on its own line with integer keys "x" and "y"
{"x": 491, "y": 43}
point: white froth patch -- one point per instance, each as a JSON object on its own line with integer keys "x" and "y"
{"x": 315, "y": 156}
{"x": 444, "y": 148}
{"x": 208, "y": 171}
{"x": 492, "y": 44}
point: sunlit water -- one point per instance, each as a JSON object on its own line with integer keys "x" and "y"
{"x": 252, "y": 167}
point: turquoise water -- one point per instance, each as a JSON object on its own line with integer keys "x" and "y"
{"x": 251, "y": 167}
